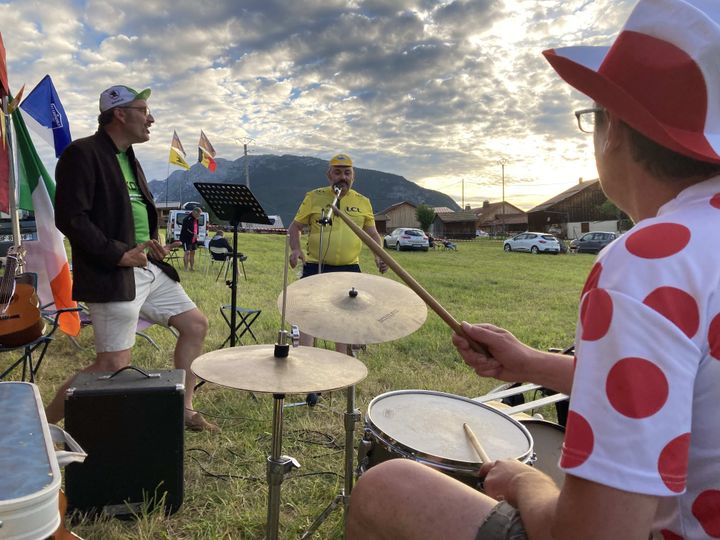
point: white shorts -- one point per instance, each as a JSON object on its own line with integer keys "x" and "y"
{"x": 157, "y": 299}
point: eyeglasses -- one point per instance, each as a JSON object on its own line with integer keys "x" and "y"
{"x": 586, "y": 118}
{"x": 145, "y": 110}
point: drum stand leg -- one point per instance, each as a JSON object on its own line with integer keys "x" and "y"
{"x": 352, "y": 416}
{"x": 277, "y": 468}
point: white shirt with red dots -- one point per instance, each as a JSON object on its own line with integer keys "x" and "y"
{"x": 645, "y": 404}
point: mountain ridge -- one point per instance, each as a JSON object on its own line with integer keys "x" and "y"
{"x": 279, "y": 183}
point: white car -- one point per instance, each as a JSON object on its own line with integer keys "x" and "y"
{"x": 404, "y": 238}
{"x": 534, "y": 242}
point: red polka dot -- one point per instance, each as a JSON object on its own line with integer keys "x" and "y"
{"x": 669, "y": 535}
{"x": 593, "y": 278}
{"x": 579, "y": 441}
{"x": 636, "y": 387}
{"x": 673, "y": 463}
{"x": 596, "y": 314}
{"x": 714, "y": 337}
{"x": 658, "y": 241}
{"x": 677, "y": 306}
{"x": 706, "y": 510}
{"x": 715, "y": 200}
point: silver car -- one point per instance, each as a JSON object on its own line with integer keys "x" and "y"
{"x": 533, "y": 242}
{"x": 404, "y": 238}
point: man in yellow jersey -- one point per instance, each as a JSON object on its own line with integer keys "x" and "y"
{"x": 340, "y": 245}
{"x": 104, "y": 207}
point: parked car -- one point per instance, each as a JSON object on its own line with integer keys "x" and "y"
{"x": 534, "y": 242}
{"x": 592, "y": 242}
{"x": 403, "y": 238}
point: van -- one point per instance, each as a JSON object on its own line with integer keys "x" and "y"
{"x": 175, "y": 221}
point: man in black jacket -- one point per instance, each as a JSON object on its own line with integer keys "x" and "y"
{"x": 104, "y": 207}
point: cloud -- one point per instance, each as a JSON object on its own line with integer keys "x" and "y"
{"x": 425, "y": 89}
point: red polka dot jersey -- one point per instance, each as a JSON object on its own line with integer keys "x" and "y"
{"x": 647, "y": 374}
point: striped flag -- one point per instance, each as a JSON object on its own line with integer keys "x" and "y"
{"x": 177, "y": 152}
{"x": 37, "y": 194}
{"x": 206, "y": 160}
{"x": 206, "y": 152}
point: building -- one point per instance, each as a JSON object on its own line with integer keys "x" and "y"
{"x": 456, "y": 225}
{"x": 401, "y": 214}
{"x": 580, "y": 209}
{"x": 500, "y": 218}
{"x": 163, "y": 211}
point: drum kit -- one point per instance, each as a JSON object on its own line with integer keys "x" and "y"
{"x": 422, "y": 425}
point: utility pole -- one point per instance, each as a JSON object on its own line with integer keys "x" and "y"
{"x": 463, "y": 194}
{"x": 502, "y": 164}
{"x": 246, "y": 141}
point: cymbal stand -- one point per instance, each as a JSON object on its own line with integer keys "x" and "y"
{"x": 352, "y": 416}
{"x": 278, "y": 466}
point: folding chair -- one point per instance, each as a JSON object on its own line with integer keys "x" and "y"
{"x": 243, "y": 322}
{"x": 222, "y": 255}
{"x": 31, "y": 365}
{"x": 140, "y": 330}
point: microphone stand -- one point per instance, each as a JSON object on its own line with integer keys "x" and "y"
{"x": 326, "y": 220}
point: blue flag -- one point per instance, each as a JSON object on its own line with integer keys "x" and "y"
{"x": 43, "y": 105}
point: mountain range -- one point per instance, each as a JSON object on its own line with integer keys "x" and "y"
{"x": 279, "y": 183}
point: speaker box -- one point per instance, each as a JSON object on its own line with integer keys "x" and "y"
{"x": 131, "y": 424}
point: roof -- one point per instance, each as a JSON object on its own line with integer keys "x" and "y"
{"x": 442, "y": 210}
{"x": 577, "y": 188}
{"x": 455, "y": 217}
{"x": 491, "y": 209}
{"x": 396, "y": 205}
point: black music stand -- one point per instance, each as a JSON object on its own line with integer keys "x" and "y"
{"x": 234, "y": 203}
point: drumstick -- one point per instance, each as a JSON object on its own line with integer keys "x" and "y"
{"x": 410, "y": 281}
{"x": 476, "y": 444}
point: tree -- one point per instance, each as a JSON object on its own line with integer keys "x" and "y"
{"x": 425, "y": 215}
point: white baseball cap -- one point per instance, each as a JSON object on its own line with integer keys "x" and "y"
{"x": 120, "y": 95}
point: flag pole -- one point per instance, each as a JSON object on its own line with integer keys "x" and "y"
{"x": 12, "y": 180}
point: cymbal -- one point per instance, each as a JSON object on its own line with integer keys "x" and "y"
{"x": 383, "y": 309}
{"x": 256, "y": 369}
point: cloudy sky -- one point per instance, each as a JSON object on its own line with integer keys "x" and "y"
{"x": 436, "y": 91}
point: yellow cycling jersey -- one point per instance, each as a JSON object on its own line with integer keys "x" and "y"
{"x": 340, "y": 244}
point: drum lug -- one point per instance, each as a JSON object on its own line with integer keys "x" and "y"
{"x": 364, "y": 448}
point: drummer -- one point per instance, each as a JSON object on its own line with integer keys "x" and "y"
{"x": 340, "y": 245}
{"x": 642, "y": 448}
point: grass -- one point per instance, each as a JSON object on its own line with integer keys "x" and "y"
{"x": 535, "y": 297}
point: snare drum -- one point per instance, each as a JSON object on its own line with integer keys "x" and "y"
{"x": 427, "y": 427}
{"x": 547, "y": 444}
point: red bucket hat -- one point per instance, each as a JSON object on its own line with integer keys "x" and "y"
{"x": 661, "y": 75}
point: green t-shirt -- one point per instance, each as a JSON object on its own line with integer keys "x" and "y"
{"x": 139, "y": 209}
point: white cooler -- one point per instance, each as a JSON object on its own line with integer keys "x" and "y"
{"x": 29, "y": 465}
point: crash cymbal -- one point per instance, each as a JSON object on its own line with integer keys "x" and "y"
{"x": 382, "y": 310}
{"x": 256, "y": 369}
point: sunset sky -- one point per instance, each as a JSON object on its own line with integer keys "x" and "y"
{"x": 437, "y": 92}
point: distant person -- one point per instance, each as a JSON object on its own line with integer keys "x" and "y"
{"x": 104, "y": 207}
{"x": 641, "y": 453}
{"x": 189, "y": 237}
{"x": 219, "y": 241}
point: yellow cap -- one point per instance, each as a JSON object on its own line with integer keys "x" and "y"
{"x": 341, "y": 160}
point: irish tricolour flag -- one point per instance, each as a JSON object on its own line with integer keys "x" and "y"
{"x": 37, "y": 194}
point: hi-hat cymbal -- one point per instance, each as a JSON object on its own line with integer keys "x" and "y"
{"x": 256, "y": 369}
{"x": 324, "y": 306}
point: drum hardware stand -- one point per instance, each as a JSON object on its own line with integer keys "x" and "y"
{"x": 352, "y": 416}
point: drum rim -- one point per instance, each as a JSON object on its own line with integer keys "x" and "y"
{"x": 425, "y": 457}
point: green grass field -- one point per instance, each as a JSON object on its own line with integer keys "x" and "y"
{"x": 535, "y": 297}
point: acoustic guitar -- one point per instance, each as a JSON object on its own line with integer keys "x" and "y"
{"x": 20, "y": 319}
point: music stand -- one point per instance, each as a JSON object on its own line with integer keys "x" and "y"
{"x": 234, "y": 203}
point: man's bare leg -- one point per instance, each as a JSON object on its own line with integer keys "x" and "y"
{"x": 192, "y": 326}
{"x": 105, "y": 361}
{"x": 402, "y": 499}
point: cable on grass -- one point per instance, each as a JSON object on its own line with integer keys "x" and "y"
{"x": 220, "y": 417}
{"x": 220, "y": 476}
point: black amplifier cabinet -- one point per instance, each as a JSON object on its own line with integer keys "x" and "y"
{"x": 131, "y": 424}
